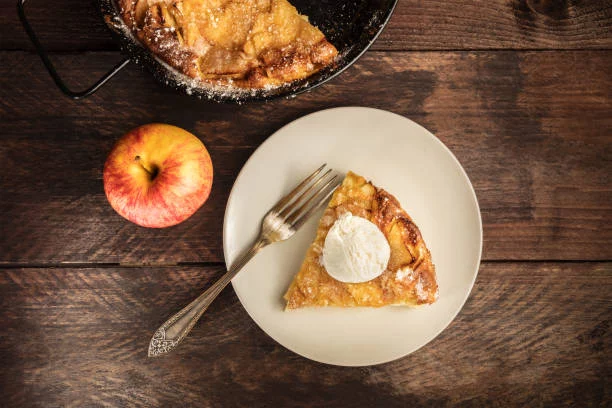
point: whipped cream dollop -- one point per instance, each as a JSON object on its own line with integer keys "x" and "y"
{"x": 355, "y": 250}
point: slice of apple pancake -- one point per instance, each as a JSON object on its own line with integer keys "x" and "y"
{"x": 409, "y": 278}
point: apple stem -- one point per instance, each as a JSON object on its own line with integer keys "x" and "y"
{"x": 150, "y": 172}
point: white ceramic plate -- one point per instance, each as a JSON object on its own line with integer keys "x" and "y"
{"x": 397, "y": 155}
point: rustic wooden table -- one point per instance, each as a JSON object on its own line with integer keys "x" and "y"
{"x": 520, "y": 91}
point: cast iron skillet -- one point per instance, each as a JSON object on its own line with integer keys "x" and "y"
{"x": 351, "y": 25}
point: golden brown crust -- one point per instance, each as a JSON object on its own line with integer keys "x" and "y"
{"x": 410, "y": 277}
{"x": 245, "y": 43}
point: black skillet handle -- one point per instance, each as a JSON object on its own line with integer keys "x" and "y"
{"x": 45, "y": 58}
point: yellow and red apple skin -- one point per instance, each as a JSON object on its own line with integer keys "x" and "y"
{"x": 158, "y": 175}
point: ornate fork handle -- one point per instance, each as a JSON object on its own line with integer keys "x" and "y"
{"x": 176, "y": 328}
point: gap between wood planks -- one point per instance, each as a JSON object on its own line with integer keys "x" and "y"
{"x": 115, "y": 265}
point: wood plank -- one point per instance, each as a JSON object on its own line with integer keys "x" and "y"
{"x": 532, "y": 130}
{"x": 415, "y": 25}
{"x": 530, "y": 334}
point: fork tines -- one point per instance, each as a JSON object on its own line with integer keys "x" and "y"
{"x": 297, "y": 206}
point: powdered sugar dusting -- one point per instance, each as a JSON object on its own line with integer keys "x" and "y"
{"x": 404, "y": 274}
{"x": 420, "y": 290}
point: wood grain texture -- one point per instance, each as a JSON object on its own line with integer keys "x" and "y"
{"x": 415, "y": 25}
{"x": 532, "y": 130}
{"x": 529, "y": 335}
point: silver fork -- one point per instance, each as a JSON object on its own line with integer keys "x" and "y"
{"x": 280, "y": 223}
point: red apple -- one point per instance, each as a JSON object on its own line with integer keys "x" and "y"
{"x": 158, "y": 175}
